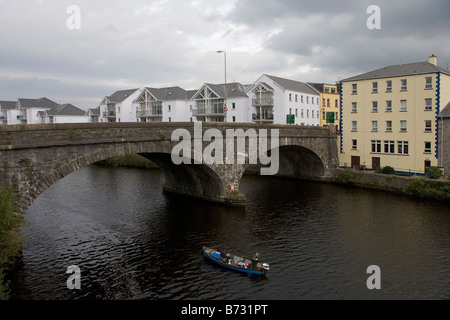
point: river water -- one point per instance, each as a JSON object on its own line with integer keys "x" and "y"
{"x": 132, "y": 241}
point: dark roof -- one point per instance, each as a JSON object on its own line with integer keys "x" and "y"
{"x": 399, "y": 71}
{"x": 66, "y": 110}
{"x": 120, "y": 96}
{"x": 95, "y": 112}
{"x": 42, "y": 103}
{"x": 445, "y": 113}
{"x": 234, "y": 90}
{"x": 293, "y": 85}
{"x": 7, "y": 105}
{"x": 169, "y": 93}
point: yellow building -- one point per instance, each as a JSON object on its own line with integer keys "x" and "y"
{"x": 389, "y": 117}
{"x": 329, "y": 103}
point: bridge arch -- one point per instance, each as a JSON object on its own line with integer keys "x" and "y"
{"x": 198, "y": 180}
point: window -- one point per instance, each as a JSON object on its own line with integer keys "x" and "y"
{"x": 354, "y": 144}
{"x": 302, "y": 99}
{"x": 234, "y": 119}
{"x": 312, "y": 100}
{"x": 354, "y": 107}
{"x": 290, "y": 97}
{"x": 403, "y": 106}
{"x": 376, "y": 146}
{"x": 336, "y": 103}
{"x": 324, "y": 104}
{"x": 427, "y": 147}
{"x": 296, "y": 98}
{"x": 428, "y": 83}
{"x": 428, "y": 104}
{"x": 428, "y": 124}
{"x": 374, "y": 106}
{"x": 233, "y": 106}
{"x": 374, "y": 126}
{"x": 389, "y": 147}
{"x": 324, "y": 116}
{"x": 328, "y": 103}
{"x": 403, "y": 125}
{"x": 327, "y": 90}
{"x": 333, "y": 90}
{"x": 296, "y": 112}
{"x": 312, "y": 114}
{"x": 318, "y": 114}
{"x": 389, "y": 86}
{"x": 374, "y": 87}
{"x": 317, "y": 100}
{"x": 388, "y": 106}
{"x": 303, "y": 113}
{"x": 354, "y": 89}
{"x": 389, "y": 126}
{"x": 403, "y": 147}
{"x": 170, "y": 108}
{"x": 307, "y": 113}
{"x": 290, "y": 110}
{"x": 404, "y": 85}
{"x": 354, "y": 126}
{"x": 307, "y": 99}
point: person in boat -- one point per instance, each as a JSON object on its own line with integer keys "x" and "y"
{"x": 255, "y": 260}
{"x": 224, "y": 255}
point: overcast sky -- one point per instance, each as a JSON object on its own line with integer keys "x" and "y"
{"x": 133, "y": 44}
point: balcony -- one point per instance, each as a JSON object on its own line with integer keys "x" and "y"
{"x": 109, "y": 114}
{"x": 258, "y": 118}
{"x": 149, "y": 113}
{"x": 262, "y": 102}
{"x": 201, "y": 112}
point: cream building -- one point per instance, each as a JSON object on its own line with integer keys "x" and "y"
{"x": 389, "y": 117}
{"x": 329, "y": 104}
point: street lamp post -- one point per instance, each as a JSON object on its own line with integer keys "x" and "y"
{"x": 225, "y": 86}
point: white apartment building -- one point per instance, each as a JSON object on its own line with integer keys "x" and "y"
{"x": 221, "y": 103}
{"x": 171, "y": 104}
{"x": 8, "y": 112}
{"x": 64, "y": 113}
{"x": 283, "y": 101}
{"x": 30, "y": 110}
{"x": 120, "y": 106}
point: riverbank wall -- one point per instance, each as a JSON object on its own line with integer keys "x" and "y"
{"x": 415, "y": 186}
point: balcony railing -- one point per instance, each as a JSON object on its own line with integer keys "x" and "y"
{"x": 262, "y": 102}
{"x": 109, "y": 114}
{"x": 208, "y": 111}
{"x": 149, "y": 113}
{"x": 263, "y": 118}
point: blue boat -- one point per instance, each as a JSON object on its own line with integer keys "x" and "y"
{"x": 236, "y": 263}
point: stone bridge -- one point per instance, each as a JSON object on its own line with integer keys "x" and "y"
{"x": 33, "y": 157}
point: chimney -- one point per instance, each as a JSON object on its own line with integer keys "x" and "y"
{"x": 433, "y": 60}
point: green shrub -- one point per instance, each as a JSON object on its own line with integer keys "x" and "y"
{"x": 385, "y": 170}
{"x": 429, "y": 188}
{"x": 346, "y": 177}
{"x": 433, "y": 173}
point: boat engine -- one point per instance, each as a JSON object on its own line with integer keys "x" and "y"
{"x": 266, "y": 266}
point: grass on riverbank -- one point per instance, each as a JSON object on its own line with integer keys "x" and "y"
{"x": 11, "y": 237}
{"x": 128, "y": 161}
